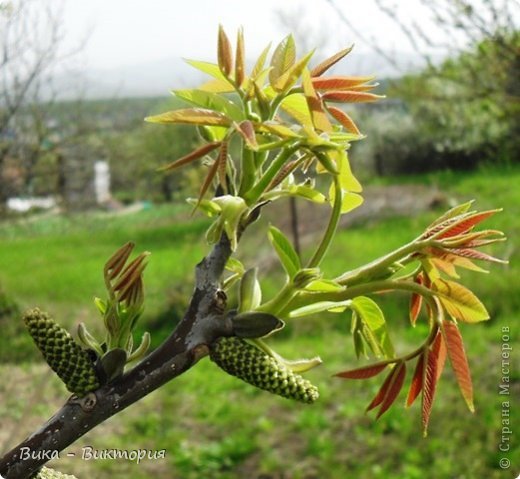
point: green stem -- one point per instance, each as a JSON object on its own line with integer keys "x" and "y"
{"x": 331, "y": 227}
{"x": 280, "y": 301}
{"x": 377, "y": 266}
{"x": 304, "y": 298}
{"x": 254, "y": 193}
{"x": 248, "y": 170}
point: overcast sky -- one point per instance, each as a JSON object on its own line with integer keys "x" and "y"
{"x": 131, "y": 32}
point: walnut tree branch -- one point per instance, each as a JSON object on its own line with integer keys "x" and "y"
{"x": 202, "y": 324}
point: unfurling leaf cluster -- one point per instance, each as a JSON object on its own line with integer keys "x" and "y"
{"x": 286, "y": 122}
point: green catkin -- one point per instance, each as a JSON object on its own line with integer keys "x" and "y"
{"x": 254, "y": 366}
{"x": 67, "y": 359}
{"x": 47, "y": 473}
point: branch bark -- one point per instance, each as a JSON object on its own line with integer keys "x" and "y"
{"x": 202, "y": 324}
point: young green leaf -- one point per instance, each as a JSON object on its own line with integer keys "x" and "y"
{"x": 290, "y": 77}
{"x": 235, "y": 266}
{"x": 283, "y": 58}
{"x": 347, "y": 180}
{"x": 323, "y": 286}
{"x": 240, "y": 63}
{"x": 320, "y": 307}
{"x": 250, "y": 295}
{"x": 300, "y": 365}
{"x": 459, "y": 301}
{"x": 191, "y": 116}
{"x": 211, "y": 69}
{"x": 296, "y": 106}
{"x": 217, "y": 86}
{"x": 260, "y": 62}
{"x": 350, "y": 201}
{"x": 373, "y": 319}
{"x": 288, "y": 256}
{"x": 451, "y": 213}
{"x": 319, "y": 118}
{"x": 211, "y": 101}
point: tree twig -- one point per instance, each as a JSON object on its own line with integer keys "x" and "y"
{"x": 202, "y": 324}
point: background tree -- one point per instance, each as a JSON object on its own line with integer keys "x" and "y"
{"x": 31, "y": 40}
{"x": 464, "y": 102}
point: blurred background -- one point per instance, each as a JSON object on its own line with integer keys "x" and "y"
{"x": 78, "y": 179}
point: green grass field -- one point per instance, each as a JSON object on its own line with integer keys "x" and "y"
{"x": 214, "y": 426}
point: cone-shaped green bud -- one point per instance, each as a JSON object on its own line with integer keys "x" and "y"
{"x": 254, "y": 366}
{"x": 47, "y": 473}
{"x": 68, "y": 360}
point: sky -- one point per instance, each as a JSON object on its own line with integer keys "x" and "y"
{"x": 129, "y": 32}
{"x": 129, "y": 41}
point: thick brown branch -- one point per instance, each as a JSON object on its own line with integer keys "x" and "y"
{"x": 201, "y": 325}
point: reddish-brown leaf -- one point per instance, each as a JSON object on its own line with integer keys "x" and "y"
{"x": 362, "y": 373}
{"x": 131, "y": 274}
{"x": 350, "y": 96}
{"x": 225, "y": 54}
{"x": 286, "y": 170}
{"x": 338, "y": 82}
{"x": 417, "y": 382}
{"x": 416, "y": 301}
{"x": 442, "y": 353}
{"x": 378, "y": 399}
{"x": 246, "y": 130}
{"x": 366, "y": 87}
{"x": 429, "y": 382}
{"x": 117, "y": 261}
{"x": 222, "y": 164}
{"x": 459, "y": 361}
{"x": 462, "y": 225}
{"x": 344, "y": 119}
{"x": 240, "y": 63}
{"x": 474, "y": 238}
{"x": 394, "y": 389}
{"x": 474, "y": 254}
{"x": 329, "y": 62}
{"x": 456, "y": 211}
{"x": 207, "y": 182}
{"x": 194, "y": 155}
{"x": 415, "y": 307}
